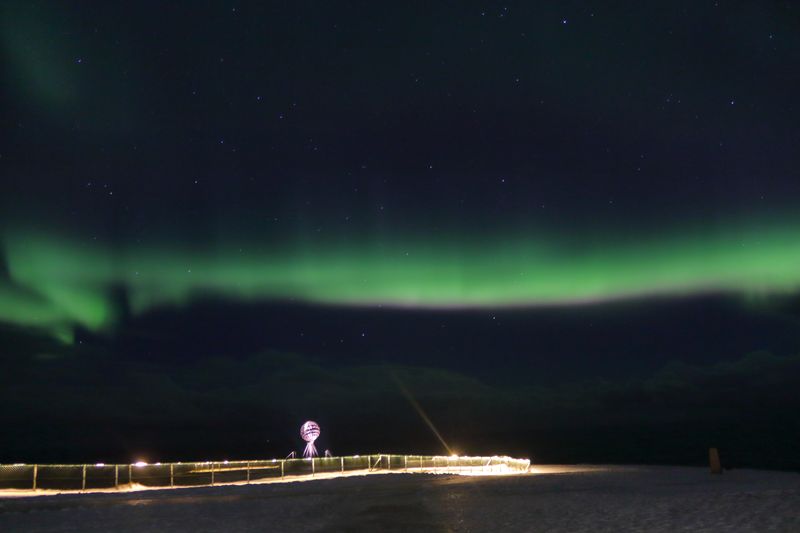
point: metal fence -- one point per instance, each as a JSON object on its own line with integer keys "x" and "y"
{"x": 126, "y": 476}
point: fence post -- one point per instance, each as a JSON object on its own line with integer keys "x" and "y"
{"x": 212, "y": 474}
{"x": 116, "y": 476}
{"x": 35, "y": 475}
{"x": 312, "y": 467}
{"x": 130, "y": 475}
{"x": 282, "y": 461}
{"x": 83, "y": 478}
{"x": 342, "y": 461}
{"x": 171, "y": 475}
{"x": 248, "y": 471}
{"x": 405, "y": 463}
{"x": 388, "y": 462}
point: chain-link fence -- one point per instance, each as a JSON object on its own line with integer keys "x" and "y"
{"x": 127, "y": 476}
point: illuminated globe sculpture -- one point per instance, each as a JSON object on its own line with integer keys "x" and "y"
{"x": 309, "y": 432}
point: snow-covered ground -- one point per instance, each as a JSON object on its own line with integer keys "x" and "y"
{"x": 550, "y": 498}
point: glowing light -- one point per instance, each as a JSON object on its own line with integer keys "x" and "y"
{"x": 140, "y": 463}
{"x": 57, "y": 283}
{"x": 417, "y": 407}
{"x": 100, "y": 464}
{"x": 309, "y": 432}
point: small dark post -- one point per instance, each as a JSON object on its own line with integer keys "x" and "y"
{"x": 713, "y": 460}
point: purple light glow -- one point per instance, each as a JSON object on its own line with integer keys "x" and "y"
{"x": 309, "y": 432}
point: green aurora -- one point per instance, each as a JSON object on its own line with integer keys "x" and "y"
{"x": 55, "y": 283}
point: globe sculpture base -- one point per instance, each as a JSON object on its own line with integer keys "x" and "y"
{"x": 311, "y": 450}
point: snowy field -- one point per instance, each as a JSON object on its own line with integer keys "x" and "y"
{"x": 550, "y": 498}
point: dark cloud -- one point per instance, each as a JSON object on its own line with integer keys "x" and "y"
{"x": 89, "y": 405}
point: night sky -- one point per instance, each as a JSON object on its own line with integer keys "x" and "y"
{"x": 569, "y": 230}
